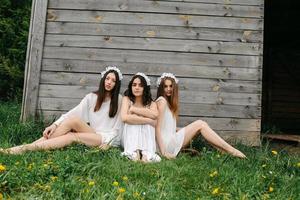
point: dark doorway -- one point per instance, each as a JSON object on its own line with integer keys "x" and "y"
{"x": 281, "y": 68}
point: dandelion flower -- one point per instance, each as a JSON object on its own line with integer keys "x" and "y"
{"x": 271, "y": 189}
{"x": 298, "y": 164}
{"x": 1, "y": 196}
{"x": 115, "y": 183}
{"x": 216, "y": 191}
{"x": 125, "y": 178}
{"x": 213, "y": 174}
{"x": 91, "y": 183}
{"x": 274, "y": 152}
{"x": 121, "y": 190}
{"x": 53, "y": 178}
{"x": 136, "y": 194}
{"x": 2, "y": 168}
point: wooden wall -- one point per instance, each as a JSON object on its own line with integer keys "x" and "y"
{"x": 213, "y": 46}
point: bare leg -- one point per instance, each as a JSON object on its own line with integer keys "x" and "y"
{"x": 89, "y": 139}
{"x": 69, "y": 124}
{"x": 212, "y": 137}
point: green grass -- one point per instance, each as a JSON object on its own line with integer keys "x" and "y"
{"x": 78, "y": 172}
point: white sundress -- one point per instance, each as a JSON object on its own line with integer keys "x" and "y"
{"x": 139, "y": 137}
{"x": 172, "y": 140}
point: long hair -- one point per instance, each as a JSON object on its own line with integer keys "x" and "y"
{"x": 147, "y": 98}
{"x": 113, "y": 108}
{"x": 173, "y": 99}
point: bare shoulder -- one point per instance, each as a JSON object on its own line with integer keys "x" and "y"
{"x": 161, "y": 101}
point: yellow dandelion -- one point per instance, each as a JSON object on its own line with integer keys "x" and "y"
{"x": 216, "y": 191}
{"x": 125, "y": 178}
{"x": 45, "y": 165}
{"x": 274, "y": 152}
{"x": 136, "y": 195}
{"x": 53, "y": 178}
{"x": 47, "y": 188}
{"x": 213, "y": 174}
{"x": 264, "y": 165}
{"x": 91, "y": 183}
{"x": 121, "y": 190}
{"x": 265, "y": 196}
{"x": 2, "y": 168}
{"x": 298, "y": 164}
{"x": 1, "y": 196}
{"x": 271, "y": 189}
{"x": 115, "y": 183}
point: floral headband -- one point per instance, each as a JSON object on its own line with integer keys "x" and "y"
{"x": 114, "y": 68}
{"x": 145, "y": 77}
{"x": 164, "y": 75}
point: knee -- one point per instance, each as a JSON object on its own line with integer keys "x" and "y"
{"x": 73, "y": 120}
{"x": 202, "y": 124}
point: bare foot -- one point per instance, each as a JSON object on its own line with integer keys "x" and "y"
{"x": 238, "y": 154}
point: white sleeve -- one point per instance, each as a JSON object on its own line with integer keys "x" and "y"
{"x": 81, "y": 111}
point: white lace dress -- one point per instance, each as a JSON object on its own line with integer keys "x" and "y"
{"x": 172, "y": 140}
{"x": 139, "y": 138}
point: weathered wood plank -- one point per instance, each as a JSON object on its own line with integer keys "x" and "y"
{"x": 197, "y": 109}
{"x": 226, "y": 2}
{"x": 34, "y": 59}
{"x": 250, "y": 138}
{"x": 26, "y": 71}
{"x": 220, "y": 98}
{"x": 224, "y": 124}
{"x": 114, "y": 55}
{"x": 154, "y": 19}
{"x": 186, "y": 83}
{"x": 219, "y": 124}
{"x": 160, "y": 7}
{"x": 181, "y": 70}
{"x": 132, "y": 30}
{"x": 173, "y": 45}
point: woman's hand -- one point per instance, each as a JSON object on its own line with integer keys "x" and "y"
{"x": 49, "y": 131}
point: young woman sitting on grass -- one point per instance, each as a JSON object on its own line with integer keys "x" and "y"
{"x": 169, "y": 140}
{"x": 139, "y": 114}
{"x": 100, "y": 109}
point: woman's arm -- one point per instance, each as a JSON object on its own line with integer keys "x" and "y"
{"x": 161, "y": 105}
{"x": 151, "y": 112}
{"x": 132, "y": 118}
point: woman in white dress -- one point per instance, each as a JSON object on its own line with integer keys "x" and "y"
{"x": 139, "y": 114}
{"x": 100, "y": 109}
{"x": 169, "y": 140}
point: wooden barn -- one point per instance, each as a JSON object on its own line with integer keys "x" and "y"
{"x": 214, "y": 47}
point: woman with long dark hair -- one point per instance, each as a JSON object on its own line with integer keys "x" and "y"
{"x": 139, "y": 113}
{"x": 171, "y": 141}
{"x": 100, "y": 109}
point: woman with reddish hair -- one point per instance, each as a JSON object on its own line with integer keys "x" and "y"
{"x": 169, "y": 140}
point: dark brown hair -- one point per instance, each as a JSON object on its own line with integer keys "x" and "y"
{"x": 113, "y": 108}
{"x": 147, "y": 98}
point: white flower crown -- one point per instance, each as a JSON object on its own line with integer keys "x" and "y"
{"x": 164, "y": 75}
{"x": 114, "y": 68}
{"x": 145, "y": 77}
